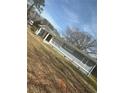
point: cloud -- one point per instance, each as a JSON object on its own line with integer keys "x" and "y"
{"x": 51, "y": 20}
{"x": 86, "y": 27}
{"x": 67, "y": 1}
{"x": 71, "y": 15}
{"x": 90, "y": 29}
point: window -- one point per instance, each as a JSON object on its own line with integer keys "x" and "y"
{"x": 90, "y": 63}
{"x": 84, "y": 61}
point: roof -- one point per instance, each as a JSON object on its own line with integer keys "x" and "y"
{"x": 78, "y": 50}
{"x": 85, "y": 54}
{"x": 70, "y": 45}
{"x": 45, "y": 27}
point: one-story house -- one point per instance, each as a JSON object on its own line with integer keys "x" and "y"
{"x": 82, "y": 61}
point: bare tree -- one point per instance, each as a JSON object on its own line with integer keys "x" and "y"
{"x": 82, "y": 40}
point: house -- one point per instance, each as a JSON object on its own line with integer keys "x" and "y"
{"x": 45, "y": 33}
{"x": 82, "y": 61}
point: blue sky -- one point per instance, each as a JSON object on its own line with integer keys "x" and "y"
{"x": 79, "y": 13}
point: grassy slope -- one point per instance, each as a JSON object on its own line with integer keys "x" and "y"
{"x": 49, "y": 72}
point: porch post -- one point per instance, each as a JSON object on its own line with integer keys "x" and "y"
{"x": 91, "y": 70}
{"x": 46, "y": 36}
{"x": 38, "y": 31}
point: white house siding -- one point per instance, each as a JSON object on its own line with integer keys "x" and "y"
{"x": 57, "y": 44}
{"x": 83, "y": 67}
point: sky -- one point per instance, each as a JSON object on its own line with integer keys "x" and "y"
{"x": 79, "y": 13}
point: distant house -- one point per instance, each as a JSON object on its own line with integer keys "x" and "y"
{"x": 82, "y": 61}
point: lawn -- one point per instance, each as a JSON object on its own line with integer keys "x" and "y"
{"x": 50, "y": 72}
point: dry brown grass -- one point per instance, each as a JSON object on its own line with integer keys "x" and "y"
{"x": 49, "y": 72}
